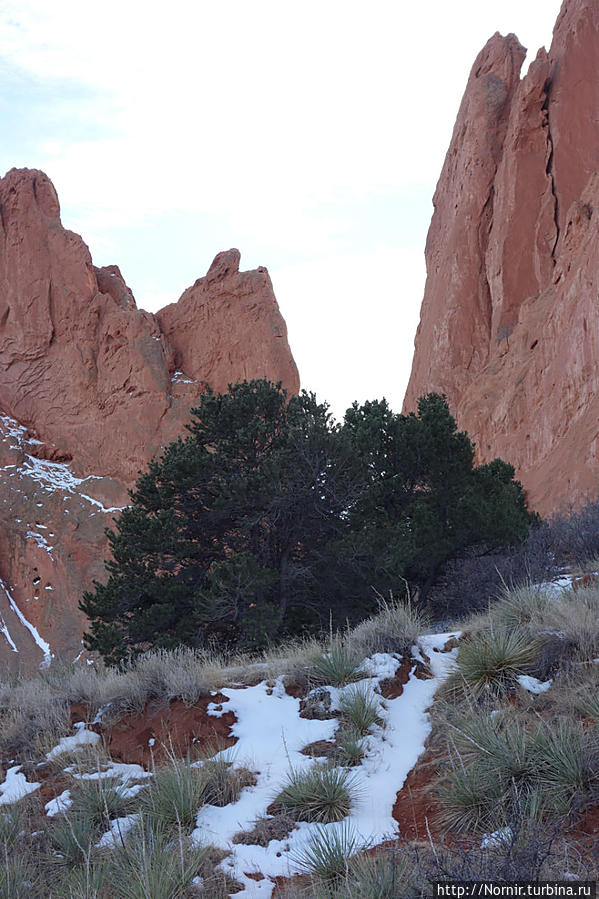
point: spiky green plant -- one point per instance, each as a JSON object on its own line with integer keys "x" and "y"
{"x": 568, "y": 764}
{"x": 349, "y": 747}
{"x": 175, "y": 796}
{"x": 150, "y": 865}
{"x": 338, "y": 666}
{"x": 18, "y": 876}
{"x": 327, "y": 852}
{"x": 491, "y": 662}
{"x": 360, "y": 707}
{"x": 320, "y": 794}
{"x": 521, "y": 606}
{"x": 224, "y": 782}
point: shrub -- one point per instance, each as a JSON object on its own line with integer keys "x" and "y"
{"x": 360, "y": 707}
{"x": 349, "y": 748}
{"x": 173, "y": 799}
{"x": 491, "y": 662}
{"x": 338, "y": 666}
{"x": 327, "y": 851}
{"x": 319, "y": 794}
{"x": 395, "y": 628}
{"x": 149, "y": 865}
{"x": 223, "y": 782}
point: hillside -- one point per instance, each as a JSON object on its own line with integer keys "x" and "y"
{"x": 369, "y": 766}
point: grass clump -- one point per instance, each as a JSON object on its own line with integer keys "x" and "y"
{"x": 19, "y": 879}
{"x": 327, "y": 852}
{"x": 491, "y": 662}
{"x": 223, "y": 781}
{"x": 173, "y": 799}
{"x": 338, "y": 666}
{"x": 349, "y": 748}
{"x": 320, "y": 794}
{"x": 149, "y": 865}
{"x": 360, "y": 708}
{"x": 395, "y": 629}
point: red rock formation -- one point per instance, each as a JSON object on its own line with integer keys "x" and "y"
{"x": 510, "y": 324}
{"x": 100, "y": 386}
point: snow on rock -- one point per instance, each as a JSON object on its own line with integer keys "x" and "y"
{"x": 5, "y": 631}
{"x": 41, "y": 542}
{"x": 43, "y": 645}
{"x": 16, "y": 786}
{"x": 58, "y": 476}
{"x": 270, "y": 735}
{"x": 59, "y": 804}
{"x": 81, "y": 738}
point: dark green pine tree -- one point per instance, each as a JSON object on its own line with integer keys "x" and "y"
{"x": 424, "y": 501}
{"x": 268, "y": 518}
{"x": 227, "y": 534}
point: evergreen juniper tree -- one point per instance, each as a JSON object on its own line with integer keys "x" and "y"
{"x": 270, "y": 518}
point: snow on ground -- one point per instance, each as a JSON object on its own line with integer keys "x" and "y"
{"x": 81, "y": 738}
{"x": 533, "y": 684}
{"x": 59, "y": 804}
{"x": 15, "y": 786}
{"x": 270, "y": 736}
{"x": 119, "y": 828}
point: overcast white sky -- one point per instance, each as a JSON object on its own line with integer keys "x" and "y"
{"x": 309, "y": 135}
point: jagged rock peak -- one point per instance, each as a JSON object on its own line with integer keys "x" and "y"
{"x": 91, "y": 387}
{"x": 508, "y": 321}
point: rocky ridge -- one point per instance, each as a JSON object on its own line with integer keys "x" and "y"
{"x": 91, "y": 388}
{"x": 509, "y": 323}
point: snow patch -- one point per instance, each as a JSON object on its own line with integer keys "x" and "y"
{"x": 533, "y": 685}
{"x": 59, "y": 804}
{"x": 45, "y": 647}
{"x": 119, "y": 828}
{"x": 16, "y": 786}
{"x": 82, "y": 737}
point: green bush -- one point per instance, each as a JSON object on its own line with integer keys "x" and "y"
{"x": 319, "y": 794}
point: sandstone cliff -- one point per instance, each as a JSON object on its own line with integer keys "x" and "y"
{"x": 90, "y": 389}
{"x": 509, "y": 325}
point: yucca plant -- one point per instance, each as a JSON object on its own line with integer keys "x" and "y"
{"x": 383, "y": 875}
{"x": 360, "y": 707}
{"x": 521, "y": 606}
{"x": 327, "y": 852}
{"x": 85, "y": 882}
{"x": 98, "y": 801}
{"x": 469, "y": 799}
{"x": 338, "y": 666}
{"x": 72, "y": 837}
{"x": 18, "y": 877}
{"x": 175, "y": 796}
{"x": 320, "y": 794}
{"x": 149, "y": 865}
{"x": 568, "y": 764}
{"x": 349, "y": 747}
{"x": 491, "y": 662}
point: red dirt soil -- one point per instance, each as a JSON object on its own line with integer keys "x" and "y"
{"x": 416, "y": 804}
{"x": 175, "y": 728}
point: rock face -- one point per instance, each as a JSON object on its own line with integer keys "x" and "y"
{"x": 509, "y": 327}
{"x": 90, "y": 389}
